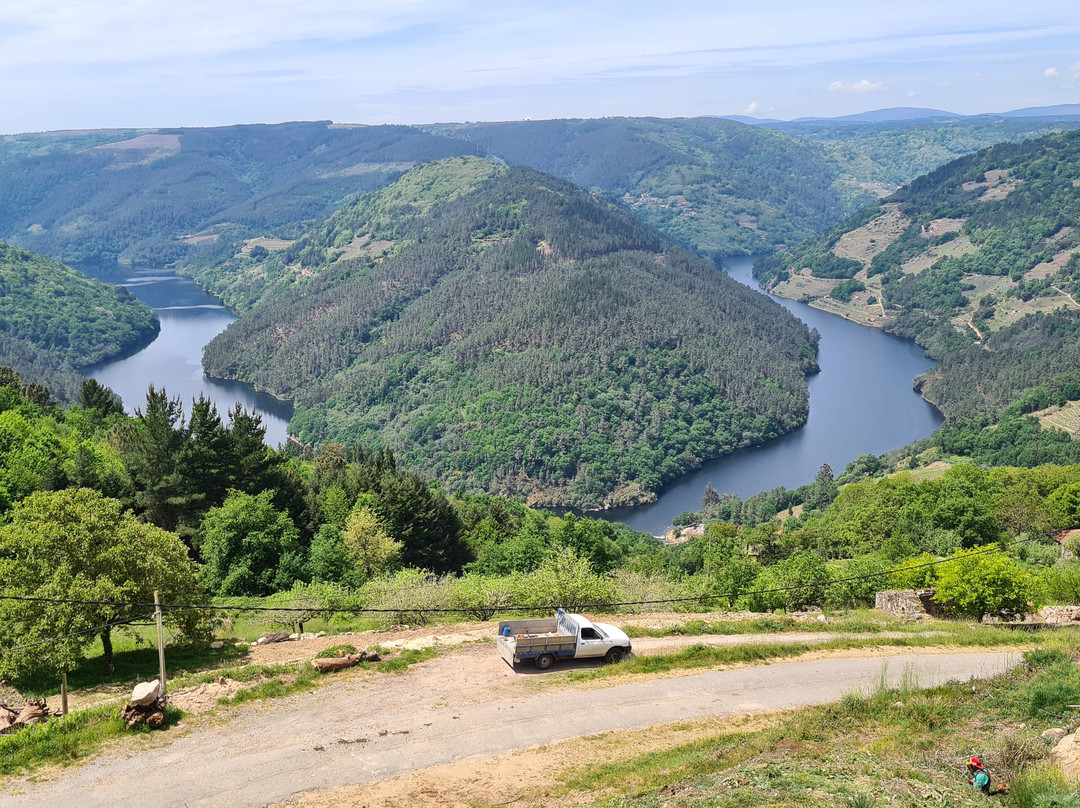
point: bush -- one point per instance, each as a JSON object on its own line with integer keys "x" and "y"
{"x": 982, "y": 582}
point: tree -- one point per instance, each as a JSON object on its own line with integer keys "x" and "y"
{"x": 151, "y": 445}
{"x": 79, "y": 545}
{"x": 983, "y": 581}
{"x": 250, "y": 547}
{"x": 372, "y": 551}
{"x": 710, "y": 502}
{"x": 823, "y": 490}
{"x": 93, "y": 395}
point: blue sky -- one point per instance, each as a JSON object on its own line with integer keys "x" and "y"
{"x": 145, "y": 63}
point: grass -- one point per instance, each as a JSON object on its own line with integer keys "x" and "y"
{"x": 63, "y": 741}
{"x": 704, "y": 656}
{"x": 891, "y": 746}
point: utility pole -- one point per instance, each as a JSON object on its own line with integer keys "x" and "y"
{"x": 160, "y": 647}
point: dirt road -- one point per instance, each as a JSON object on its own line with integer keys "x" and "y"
{"x": 368, "y": 727}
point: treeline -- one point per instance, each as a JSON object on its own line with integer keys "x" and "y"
{"x": 520, "y": 338}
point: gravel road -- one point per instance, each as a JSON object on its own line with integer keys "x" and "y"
{"x": 368, "y": 727}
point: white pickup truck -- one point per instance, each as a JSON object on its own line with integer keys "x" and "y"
{"x": 564, "y": 636}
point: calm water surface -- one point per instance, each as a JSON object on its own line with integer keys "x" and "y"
{"x": 190, "y": 318}
{"x": 862, "y": 402}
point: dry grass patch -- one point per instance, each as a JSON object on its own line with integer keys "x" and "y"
{"x": 863, "y": 243}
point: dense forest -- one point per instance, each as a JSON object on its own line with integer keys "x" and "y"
{"x": 515, "y": 335}
{"x": 713, "y": 185}
{"x": 54, "y": 320}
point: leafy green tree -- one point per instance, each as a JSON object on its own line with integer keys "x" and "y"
{"x": 823, "y": 490}
{"x": 328, "y": 559}
{"x": 151, "y": 445}
{"x": 250, "y": 547}
{"x": 728, "y": 568}
{"x": 422, "y": 519}
{"x": 566, "y": 579}
{"x": 372, "y": 551}
{"x": 982, "y": 583}
{"x": 801, "y": 580}
{"x": 79, "y": 545}
{"x": 590, "y": 538}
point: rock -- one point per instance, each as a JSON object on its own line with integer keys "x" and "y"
{"x": 822, "y": 619}
{"x": 1055, "y": 734}
{"x": 276, "y": 636}
{"x": 1067, "y": 756}
{"x": 901, "y": 602}
{"x": 1060, "y": 615}
{"x": 294, "y": 636}
{"x": 320, "y": 634}
{"x": 217, "y": 644}
{"x": 307, "y": 635}
{"x": 145, "y": 693}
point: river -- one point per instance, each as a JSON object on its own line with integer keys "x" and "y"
{"x": 862, "y": 402}
{"x": 190, "y": 318}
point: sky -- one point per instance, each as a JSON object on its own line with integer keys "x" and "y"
{"x": 79, "y": 64}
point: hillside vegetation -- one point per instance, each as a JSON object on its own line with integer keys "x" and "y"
{"x": 502, "y": 330}
{"x": 137, "y": 196}
{"x": 712, "y": 185}
{"x": 54, "y": 319}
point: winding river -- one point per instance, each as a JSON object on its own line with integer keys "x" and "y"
{"x": 862, "y": 402}
{"x": 190, "y": 318}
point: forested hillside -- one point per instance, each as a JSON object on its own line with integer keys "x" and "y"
{"x": 136, "y": 195}
{"x": 501, "y": 330}
{"x": 712, "y": 185}
{"x": 54, "y": 319}
{"x": 979, "y": 261}
{"x": 881, "y": 156}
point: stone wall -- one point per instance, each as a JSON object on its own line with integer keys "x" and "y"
{"x": 905, "y": 602}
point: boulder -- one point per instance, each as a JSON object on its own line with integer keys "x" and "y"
{"x": 903, "y": 602}
{"x": 1067, "y": 756}
{"x": 217, "y": 644}
{"x": 145, "y": 693}
{"x": 1055, "y": 734}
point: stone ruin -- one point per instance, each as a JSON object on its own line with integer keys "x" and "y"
{"x": 908, "y": 602}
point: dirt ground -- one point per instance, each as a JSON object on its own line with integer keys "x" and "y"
{"x": 460, "y": 729}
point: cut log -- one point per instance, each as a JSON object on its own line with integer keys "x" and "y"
{"x": 152, "y": 714}
{"x": 336, "y": 663}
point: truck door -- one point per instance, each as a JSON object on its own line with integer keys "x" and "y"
{"x": 592, "y": 643}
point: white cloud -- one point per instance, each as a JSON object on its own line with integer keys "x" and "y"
{"x": 1074, "y": 70}
{"x": 911, "y": 94}
{"x": 863, "y": 86}
{"x": 1052, "y": 73}
{"x": 750, "y": 110}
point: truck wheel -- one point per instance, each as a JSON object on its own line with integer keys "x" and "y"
{"x": 615, "y": 656}
{"x": 544, "y": 661}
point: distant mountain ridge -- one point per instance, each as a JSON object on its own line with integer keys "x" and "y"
{"x": 894, "y": 114}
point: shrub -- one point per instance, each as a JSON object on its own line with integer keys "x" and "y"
{"x": 982, "y": 582}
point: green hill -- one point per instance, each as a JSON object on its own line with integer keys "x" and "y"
{"x": 152, "y": 195}
{"x": 54, "y": 319}
{"x": 502, "y": 330}
{"x": 979, "y": 261}
{"x": 710, "y": 184}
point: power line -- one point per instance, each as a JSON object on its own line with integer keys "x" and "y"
{"x": 511, "y": 607}
{"x": 92, "y": 630}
